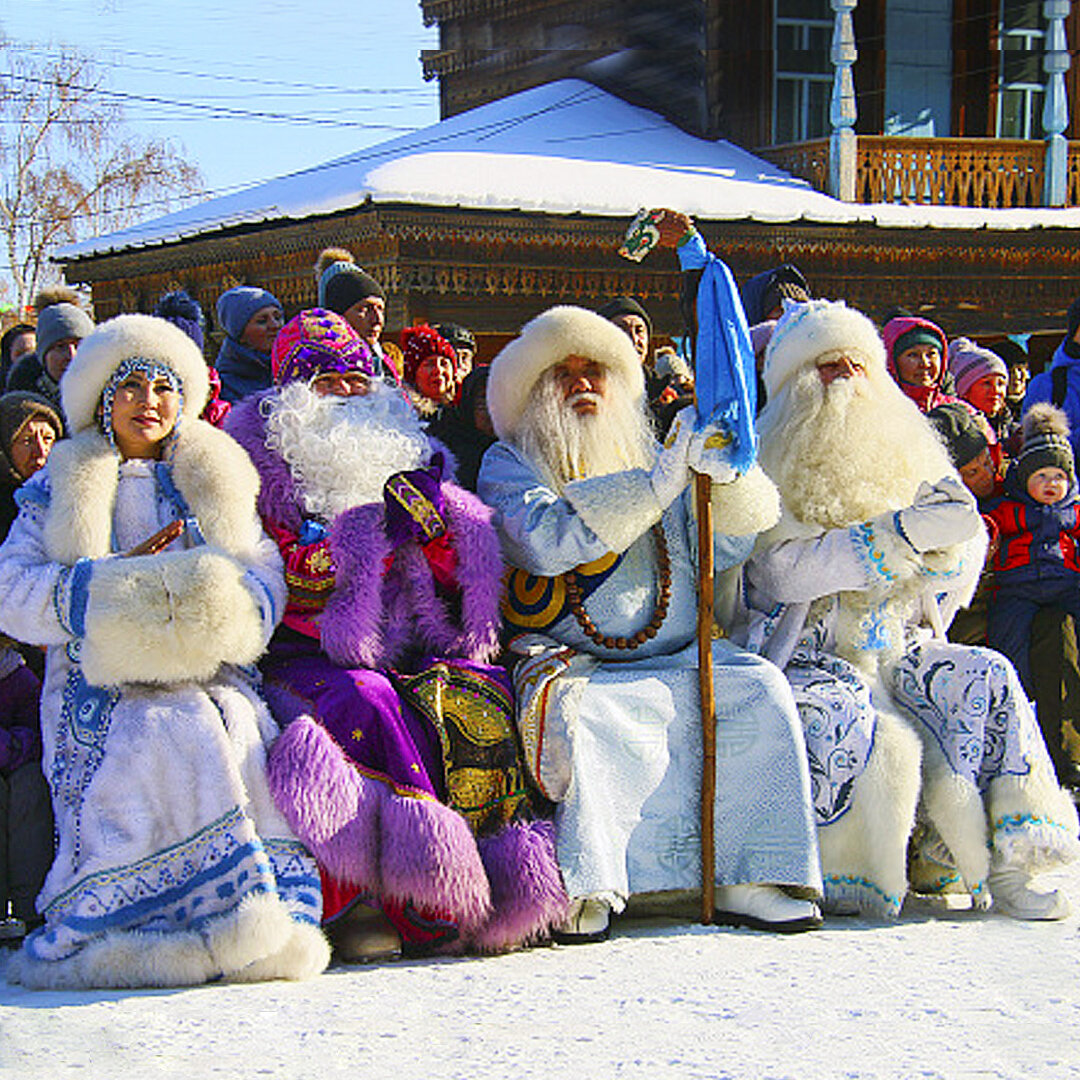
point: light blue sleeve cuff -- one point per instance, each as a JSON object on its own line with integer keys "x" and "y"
{"x": 71, "y": 596}
{"x": 264, "y": 597}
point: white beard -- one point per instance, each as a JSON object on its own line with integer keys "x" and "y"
{"x": 566, "y": 446}
{"x": 341, "y": 451}
{"x": 840, "y": 455}
{"x": 844, "y": 453}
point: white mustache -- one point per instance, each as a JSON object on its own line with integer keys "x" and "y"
{"x": 584, "y": 395}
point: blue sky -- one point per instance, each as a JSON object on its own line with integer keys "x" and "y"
{"x": 342, "y": 75}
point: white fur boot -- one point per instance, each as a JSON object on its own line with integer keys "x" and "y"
{"x": 1009, "y": 886}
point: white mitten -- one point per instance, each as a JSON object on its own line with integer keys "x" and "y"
{"x": 671, "y": 473}
{"x": 709, "y": 454}
{"x": 942, "y": 514}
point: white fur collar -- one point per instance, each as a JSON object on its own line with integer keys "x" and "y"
{"x": 211, "y": 471}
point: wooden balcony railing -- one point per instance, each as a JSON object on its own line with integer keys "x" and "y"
{"x": 987, "y": 173}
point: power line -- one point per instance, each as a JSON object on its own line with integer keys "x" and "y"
{"x": 217, "y": 110}
{"x": 285, "y": 88}
{"x": 485, "y": 130}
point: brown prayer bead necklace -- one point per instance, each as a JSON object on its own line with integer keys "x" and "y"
{"x": 663, "y": 598}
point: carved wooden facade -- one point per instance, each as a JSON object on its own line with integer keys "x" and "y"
{"x": 492, "y": 271}
{"x": 707, "y": 65}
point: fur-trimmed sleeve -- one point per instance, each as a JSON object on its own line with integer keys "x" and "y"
{"x": 351, "y": 627}
{"x": 869, "y": 556}
{"x": 39, "y": 598}
{"x": 540, "y": 532}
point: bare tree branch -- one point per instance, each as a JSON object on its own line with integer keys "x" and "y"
{"x": 69, "y": 169}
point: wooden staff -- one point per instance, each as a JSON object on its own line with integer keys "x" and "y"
{"x": 703, "y": 503}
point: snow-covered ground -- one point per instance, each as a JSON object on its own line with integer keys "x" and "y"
{"x": 939, "y": 994}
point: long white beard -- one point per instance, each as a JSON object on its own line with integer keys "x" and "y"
{"x": 844, "y": 453}
{"x": 341, "y": 451}
{"x": 566, "y": 446}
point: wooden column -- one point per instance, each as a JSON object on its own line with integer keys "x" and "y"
{"x": 1055, "y": 116}
{"x": 842, "y": 108}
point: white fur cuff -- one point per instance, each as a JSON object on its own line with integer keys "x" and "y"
{"x": 618, "y": 508}
{"x": 749, "y": 504}
{"x": 167, "y": 618}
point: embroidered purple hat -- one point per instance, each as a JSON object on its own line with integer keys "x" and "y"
{"x": 316, "y": 342}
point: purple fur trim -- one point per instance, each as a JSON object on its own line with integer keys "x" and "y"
{"x": 527, "y": 892}
{"x": 279, "y": 501}
{"x": 330, "y": 806}
{"x": 362, "y": 832}
{"x": 372, "y": 621}
{"x": 450, "y": 461}
{"x": 480, "y": 571}
{"x": 351, "y": 628}
{"x": 430, "y": 857}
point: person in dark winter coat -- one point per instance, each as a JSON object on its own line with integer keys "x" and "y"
{"x": 183, "y": 310}
{"x": 17, "y": 341}
{"x": 61, "y": 325}
{"x": 1060, "y": 382}
{"x": 1018, "y": 363}
{"x": 915, "y": 351}
{"x": 251, "y": 319}
{"x": 428, "y": 361}
{"x": 463, "y": 341}
{"x": 26, "y": 821}
{"x": 465, "y": 429}
{"x": 29, "y": 425}
{"x": 350, "y": 291}
{"x": 981, "y": 378}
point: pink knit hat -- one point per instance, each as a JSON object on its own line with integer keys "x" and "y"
{"x": 316, "y": 342}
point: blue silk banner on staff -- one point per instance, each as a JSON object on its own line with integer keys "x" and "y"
{"x": 725, "y": 375}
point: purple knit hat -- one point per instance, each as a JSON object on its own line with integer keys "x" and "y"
{"x": 969, "y": 362}
{"x": 316, "y": 342}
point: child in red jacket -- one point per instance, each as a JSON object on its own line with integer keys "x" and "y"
{"x": 1037, "y": 561}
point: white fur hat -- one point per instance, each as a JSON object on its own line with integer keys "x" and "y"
{"x": 546, "y": 341}
{"x": 129, "y": 337}
{"x": 807, "y": 331}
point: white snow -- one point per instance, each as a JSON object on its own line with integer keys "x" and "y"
{"x": 938, "y": 995}
{"x": 565, "y": 147}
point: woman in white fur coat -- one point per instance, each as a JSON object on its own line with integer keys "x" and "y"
{"x": 138, "y": 560}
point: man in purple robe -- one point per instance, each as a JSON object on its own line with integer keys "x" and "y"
{"x": 397, "y": 765}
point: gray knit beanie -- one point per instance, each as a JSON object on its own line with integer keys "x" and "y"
{"x": 60, "y": 321}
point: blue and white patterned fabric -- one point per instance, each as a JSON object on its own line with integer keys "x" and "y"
{"x": 838, "y": 722}
{"x": 173, "y": 865}
{"x": 855, "y": 618}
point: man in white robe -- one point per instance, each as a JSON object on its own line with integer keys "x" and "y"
{"x": 596, "y": 523}
{"x": 851, "y": 593}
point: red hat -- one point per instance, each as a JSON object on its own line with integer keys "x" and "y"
{"x": 420, "y": 342}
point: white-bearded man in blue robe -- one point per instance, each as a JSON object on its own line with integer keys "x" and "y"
{"x": 851, "y": 593}
{"x": 596, "y": 523}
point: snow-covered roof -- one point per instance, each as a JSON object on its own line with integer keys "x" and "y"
{"x": 565, "y": 147}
